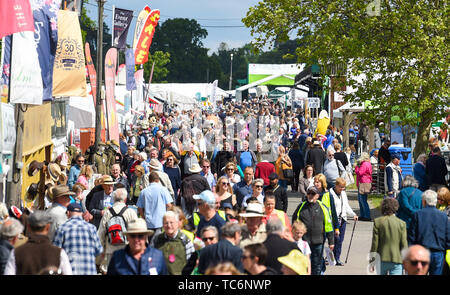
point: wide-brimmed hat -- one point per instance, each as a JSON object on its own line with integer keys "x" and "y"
{"x": 155, "y": 164}
{"x": 138, "y": 226}
{"x": 32, "y": 191}
{"x": 108, "y": 180}
{"x": 296, "y": 261}
{"x": 253, "y": 210}
{"x": 195, "y": 168}
{"x": 34, "y": 167}
{"x": 60, "y": 191}
{"x": 53, "y": 173}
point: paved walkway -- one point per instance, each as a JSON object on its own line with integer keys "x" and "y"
{"x": 362, "y": 238}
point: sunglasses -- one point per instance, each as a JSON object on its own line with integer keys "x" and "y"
{"x": 138, "y": 236}
{"x": 205, "y": 166}
{"x": 80, "y": 161}
{"x": 225, "y": 183}
{"x": 208, "y": 239}
{"x": 416, "y": 262}
{"x": 169, "y": 159}
{"x": 258, "y": 186}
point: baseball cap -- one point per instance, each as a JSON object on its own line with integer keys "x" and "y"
{"x": 74, "y": 207}
{"x": 312, "y": 189}
{"x": 206, "y": 196}
{"x": 273, "y": 175}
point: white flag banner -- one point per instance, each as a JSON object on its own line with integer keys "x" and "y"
{"x": 26, "y": 80}
{"x": 8, "y": 129}
{"x": 213, "y": 93}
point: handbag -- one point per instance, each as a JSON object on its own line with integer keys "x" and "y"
{"x": 365, "y": 188}
{"x": 287, "y": 171}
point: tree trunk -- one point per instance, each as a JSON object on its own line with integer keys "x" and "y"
{"x": 348, "y": 118}
{"x": 423, "y": 134}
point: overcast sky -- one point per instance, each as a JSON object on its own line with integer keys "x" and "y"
{"x": 221, "y": 18}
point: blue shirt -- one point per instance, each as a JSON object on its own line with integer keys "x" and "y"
{"x": 210, "y": 178}
{"x": 80, "y": 241}
{"x": 153, "y": 199}
{"x": 245, "y": 160}
{"x": 241, "y": 189}
{"x": 74, "y": 172}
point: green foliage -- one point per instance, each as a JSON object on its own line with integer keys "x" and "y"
{"x": 403, "y": 53}
{"x": 160, "y": 71}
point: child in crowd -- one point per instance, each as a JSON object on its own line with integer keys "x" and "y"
{"x": 298, "y": 230}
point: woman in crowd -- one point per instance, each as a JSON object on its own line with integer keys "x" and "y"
{"x": 363, "y": 170}
{"x": 419, "y": 172}
{"x": 283, "y": 162}
{"x": 225, "y": 192}
{"x": 409, "y": 199}
{"x": 85, "y": 176}
{"x": 320, "y": 183}
{"x": 231, "y": 175}
{"x": 443, "y": 196}
{"x": 306, "y": 181}
{"x": 138, "y": 183}
{"x": 172, "y": 169}
{"x": 389, "y": 238}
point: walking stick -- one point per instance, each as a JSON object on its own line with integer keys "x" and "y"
{"x": 351, "y": 238}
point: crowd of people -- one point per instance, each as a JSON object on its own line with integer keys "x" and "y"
{"x": 205, "y": 192}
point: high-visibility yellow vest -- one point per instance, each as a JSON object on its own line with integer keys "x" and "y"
{"x": 280, "y": 215}
{"x": 196, "y": 217}
{"x": 326, "y": 215}
{"x": 447, "y": 257}
{"x": 326, "y": 200}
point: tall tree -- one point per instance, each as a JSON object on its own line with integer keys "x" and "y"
{"x": 396, "y": 54}
{"x": 182, "y": 38}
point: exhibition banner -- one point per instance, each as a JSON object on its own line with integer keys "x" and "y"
{"x": 69, "y": 76}
{"x": 15, "y": 16}
{"x": 140, "y": 24}
{"x": 121, "y": 20}
{"x": 146, "y": 37}
{"x": 110, "y": 83}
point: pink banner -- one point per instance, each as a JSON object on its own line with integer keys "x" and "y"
{"x": 110, "y": 84}
{"x": 15, "y": 16}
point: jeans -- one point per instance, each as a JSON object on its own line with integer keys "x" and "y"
{"x": 316, "y": 258}
{"x": 338, "y": 240}
{"x": 391, "y": 268}
{"x": 436, "y": 262}
{"x": 283, "y": 183}
{"x": 364, "y": 210}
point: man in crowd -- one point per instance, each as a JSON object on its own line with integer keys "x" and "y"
{"x": 155, "y": 166}
{"x": 244, "y": 187}
{"x": 80, "y": 241}
{"x": 316, "y": 157}
{"x": 226, "y": 249}
{"x": 416, "y": 260}
{"x": 206, "y": 172}
{"x": 101, "y": 201}
{"x": 9, "y": 234}
{"x": 61, "y": 199}
{"x": 206, "y": 202}
{"x": 119, "y": 178}
{"x": 23, "y": 259}
{"x": 280, "y": 193}
{"x": 431, "y": 228}
{"x": 254, "y": 230}
{"x": 175, "y": 245}
{"x": 436, "y": 170}
{"x": 153, "y": 202}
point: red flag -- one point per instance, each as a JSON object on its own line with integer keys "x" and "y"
{"x": 145, "y": 39}
{"x": 15, "y": 16}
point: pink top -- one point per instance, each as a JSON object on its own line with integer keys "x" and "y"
{"x": 364, "y": 173}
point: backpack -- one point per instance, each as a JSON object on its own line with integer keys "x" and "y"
{"x": 116, "y": 226}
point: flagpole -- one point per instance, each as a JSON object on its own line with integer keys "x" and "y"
{"x": 113, "y": 16}
{"x": 98, "y": 106}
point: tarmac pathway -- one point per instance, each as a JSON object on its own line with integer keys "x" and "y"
{"x": 357, "y": 262}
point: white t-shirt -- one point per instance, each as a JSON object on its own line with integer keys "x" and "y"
{"x": 304, "y": 247}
